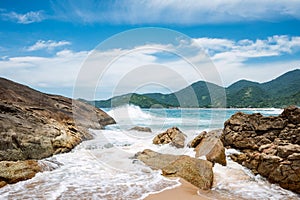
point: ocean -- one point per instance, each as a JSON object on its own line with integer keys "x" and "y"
{"x": 104, "y": 168}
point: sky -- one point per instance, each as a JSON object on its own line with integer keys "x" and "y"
{"x": 103, "y": 48}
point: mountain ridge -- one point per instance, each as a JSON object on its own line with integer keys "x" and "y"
{"x": 279, "y": 92}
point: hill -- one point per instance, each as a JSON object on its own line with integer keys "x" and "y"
{"x": 280, "y": 92}
{"x": 142, "y": 101}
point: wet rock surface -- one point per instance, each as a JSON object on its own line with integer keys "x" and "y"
{"x": 14, "y": 171}
{"x": 270, "y": 145}
{"x": 196, "y": 171}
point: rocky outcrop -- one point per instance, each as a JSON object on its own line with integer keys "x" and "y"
{"x": 34, "y": 125}
{"x": 141, "y": 129}
{"x": 209, "y": 145}
{"x": 171, "y": 136}
{"x": 196, "y": 171}
{"x": 14, "y": 171}
{"x": 270, "y": 145}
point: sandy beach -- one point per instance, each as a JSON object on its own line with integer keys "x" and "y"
{"x": 186, "y": 191}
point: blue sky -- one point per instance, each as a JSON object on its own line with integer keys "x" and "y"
{"x": 44, "y": 44}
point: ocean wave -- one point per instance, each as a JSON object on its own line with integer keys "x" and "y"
{"x": 129, "y": 112}
{"x": 128, "y": 116}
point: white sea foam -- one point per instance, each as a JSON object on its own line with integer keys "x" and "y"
{"x": 235, "y": 180}
{"x": 129, "y": 113}
{"x": 97, "y": 172}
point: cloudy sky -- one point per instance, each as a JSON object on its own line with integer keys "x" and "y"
{"x": 105, "y": 45}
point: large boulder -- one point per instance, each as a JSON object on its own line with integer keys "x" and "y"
{"x": 196, "y": 171}
{"x": 270, "y": 145}
{"x": 171, "y": 136}
{"x": 210, "y": 146}
{"x": 14, "y": 171}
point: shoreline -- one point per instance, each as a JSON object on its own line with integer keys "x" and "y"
{"x": 185, "y": 191}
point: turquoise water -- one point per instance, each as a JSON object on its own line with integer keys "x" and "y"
{"x": 186, "y": 119}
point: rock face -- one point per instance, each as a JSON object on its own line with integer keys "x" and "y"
{"x": 209, "y": 145}
{"x": 12, "y": 172}
{"x": 196, "y": 171}
{"x": 270, "y": 145}
{"x": 141, "y": 129}
{"x": 171, "y": 136}
{"x": 34, "y": 125}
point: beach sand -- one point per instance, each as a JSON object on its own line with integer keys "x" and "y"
{"x": 186, "y": 191}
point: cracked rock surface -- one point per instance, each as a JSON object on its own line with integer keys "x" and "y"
{"x": 270, "y": 146}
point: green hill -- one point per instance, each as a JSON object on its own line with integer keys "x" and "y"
{"x": 280, "y": 92}
{"x": 136, "y": 99}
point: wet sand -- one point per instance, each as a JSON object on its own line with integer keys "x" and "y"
{"x": 186, "y": 191}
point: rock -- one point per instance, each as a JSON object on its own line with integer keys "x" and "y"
{"x": 173, "y": 136}
{"x": 270, "y": 145}
{"x": 140, "y": 128}
{"x": 286, "y": 150}
{"x": 194, "y": 143}
{"x": 34, "y": 125}
{"x": 155, "y": 160}
{"x": 217, "y": 153}
{"x": 239, "y": 158}
{"x": 196, "y": 171}
{"x": 291, "y": 113}
{"x": 294, "y": 156}
{"x": 209, "y": 145}
{"x": 12, "y": 172}
{"x": 267, "y": 164}
{"x": 2, "y": 183}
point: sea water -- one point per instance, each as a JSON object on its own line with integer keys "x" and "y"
{"x": 105, "y": 167}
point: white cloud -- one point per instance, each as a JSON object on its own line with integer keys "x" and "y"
{"x": 58, "y": 71}
{"x": 118, "y": 71}
{"x": 49, "y": 45}
{"x": 27, "y": 18}
{"x": 175, "y": 11}
{"x": 242, "y": 50}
